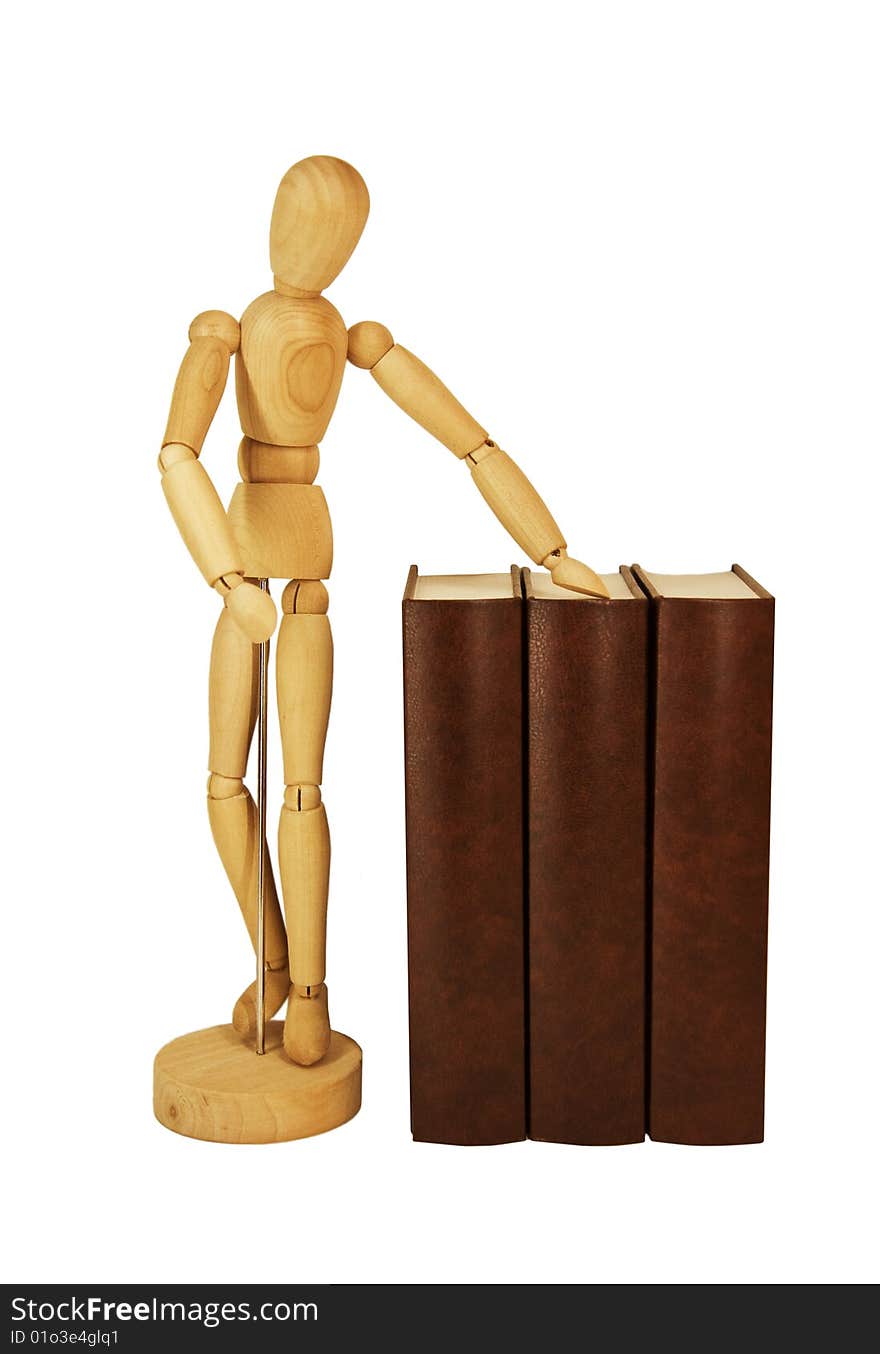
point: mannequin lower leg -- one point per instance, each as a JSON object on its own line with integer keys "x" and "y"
{"x": 304, "y": 681}
{"x": 233, "y": 814}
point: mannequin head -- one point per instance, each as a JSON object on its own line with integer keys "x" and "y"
{"x": 320, "y": 210}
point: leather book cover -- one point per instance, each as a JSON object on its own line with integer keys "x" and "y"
{"x": 463, "y": 663}
{"x": 711, "y": 838}
{"x": 587, "y": 750}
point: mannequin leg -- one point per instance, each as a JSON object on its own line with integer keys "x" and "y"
{"x": 233, "y": 694}
{"x": 304, "y": 668}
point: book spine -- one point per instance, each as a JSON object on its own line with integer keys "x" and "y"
{"x": 587, "y": 797}
{"x": 465, "y": 883}
{"x": 711, "y": 832}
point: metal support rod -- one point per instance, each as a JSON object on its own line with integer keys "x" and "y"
{"x": 261, "y": 840}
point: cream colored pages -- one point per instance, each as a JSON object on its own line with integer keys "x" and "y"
{"x": 462, "y": 587}
{"x": 483, "y": 587}
{"x": 723, "y": 585}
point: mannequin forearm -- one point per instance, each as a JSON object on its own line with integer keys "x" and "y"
{"x": 200, "y": 516}
{"x": 202, "y": 522}
{"x": 515, "y": 502}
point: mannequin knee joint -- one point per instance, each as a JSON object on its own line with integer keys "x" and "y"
{"x": 301, "y": 798}
{"x": 306, "y": 598}
{"x": 224, "y": 787}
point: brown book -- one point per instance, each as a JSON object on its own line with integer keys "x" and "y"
{"x": 587, "y": 739}
{"x": 463, "y": 662}
{"x": 711, "y": 834}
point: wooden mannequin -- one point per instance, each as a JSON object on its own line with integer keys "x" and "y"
{"x": 290, "y": 349}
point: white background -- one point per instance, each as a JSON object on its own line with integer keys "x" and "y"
{"x": 640, "y": 242}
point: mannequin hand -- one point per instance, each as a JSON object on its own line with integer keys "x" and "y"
{"x": 570, "y": 573}
{"x": 252, "y": 609}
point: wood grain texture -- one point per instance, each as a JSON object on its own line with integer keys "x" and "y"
{"x": 235, "y": 831}
{"x": 305, "y": 597}
{"x": 320, "y": 210}
{"x": 304, "y": 864}
{"x": 510, "y": 494}
{"x": 517, "y": 504}
{"x": 201, "y": 520}
{"x": 307, "y": 1031}
{"x": 304, "y": 670}
{"x": 264, "y": 463}
{"x": 232, "y": 709}
{"x": 422, "y": 395}
{"x": 210, "y": 1085}
{"x": 198, "y": 389}
{"x": 304, "y": 680}
{"x": 282, "y": 530}
{"x": 289, "y": 368}
{"x": 216, "y": 324}
{"x": 276, "y": 990}
{"x": 574, "y": 576}
{"x": 367, "y": 342}
{"x": 252, "y": 609}
{"x": 232, "y": 698}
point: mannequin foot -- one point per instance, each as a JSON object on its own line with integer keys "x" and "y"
{"x": 244, "y": 1014}
{"x": 307, "y": 1027}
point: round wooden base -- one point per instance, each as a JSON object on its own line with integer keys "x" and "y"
{"x": 211, "y": 1085}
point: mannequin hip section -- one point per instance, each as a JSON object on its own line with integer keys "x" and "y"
{"x": 278, "y": 517}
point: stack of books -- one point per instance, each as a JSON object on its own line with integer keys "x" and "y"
{"x": 587, "y": 819}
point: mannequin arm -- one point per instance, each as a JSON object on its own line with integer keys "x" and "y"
{"x": 194, "y": 502}
{"x": 513, "y": 499}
